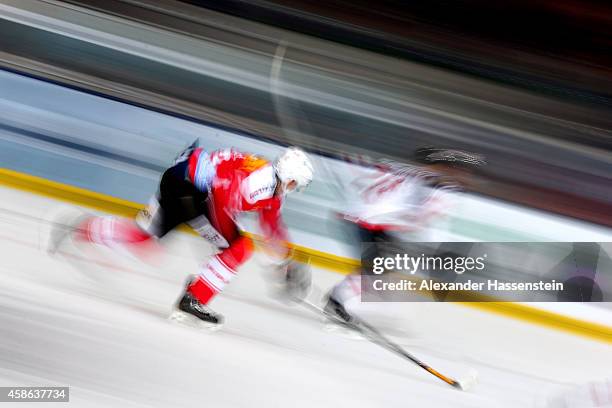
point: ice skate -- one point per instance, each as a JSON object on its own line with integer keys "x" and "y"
{"x": 191, "y": 312}
{"x": 63, "y": 225}
{"x": 339, "y": 320}
{"x": 336, "y": 309}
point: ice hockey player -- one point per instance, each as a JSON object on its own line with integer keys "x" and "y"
{"x": 391, "y": 198}
{"x": 207, "y": 190}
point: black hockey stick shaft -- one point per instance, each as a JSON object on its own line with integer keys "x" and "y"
{"x": 375, "y": 336}
{"x": 380, "y": 339}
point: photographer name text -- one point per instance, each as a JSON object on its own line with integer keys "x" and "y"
{"x": 469, "y": 285}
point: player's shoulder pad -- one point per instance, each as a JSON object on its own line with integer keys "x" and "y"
{"x": 260, "y": 184}
{"x": 251, "y": 163}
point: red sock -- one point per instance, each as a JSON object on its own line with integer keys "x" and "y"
{"x": 220, "y": 270}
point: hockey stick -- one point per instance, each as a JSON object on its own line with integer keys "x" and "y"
{"x": 376, "y": 337}
{"x": 289, "y": 118}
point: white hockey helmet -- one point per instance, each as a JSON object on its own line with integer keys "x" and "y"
{"x": 294, "y": 165}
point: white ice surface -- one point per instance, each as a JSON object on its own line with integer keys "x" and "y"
{"x": 96, "y": 320}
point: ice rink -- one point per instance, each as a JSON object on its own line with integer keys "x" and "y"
{"x": 96, "y": 321}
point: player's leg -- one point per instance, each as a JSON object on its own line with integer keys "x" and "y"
{"x": 220, "y": 269}
{"x": 110, "y": 231}
{"x": 348, "y": 290}
{"x": 177, "y": 201}
{"x": 211, "y": 279}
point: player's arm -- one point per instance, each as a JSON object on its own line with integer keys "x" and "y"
{"x": 294, "y": 278}
{"x": 276, "y": 236}
{"x": 434, "y": 208}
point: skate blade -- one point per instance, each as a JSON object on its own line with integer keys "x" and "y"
{"x": 343, "y": 331}
{"x": 469, "y": 381}
{"x": 185, "y": 319}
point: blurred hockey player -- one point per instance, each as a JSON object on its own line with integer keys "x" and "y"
{"x": 207, "y": 190}
{"x": 392, "y": 198}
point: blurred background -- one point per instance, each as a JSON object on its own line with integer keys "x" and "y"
{"x": 525, "y": 83}
{"x": 102, "y": 95}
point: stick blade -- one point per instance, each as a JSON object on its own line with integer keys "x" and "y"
{"x": 469, "y": 381}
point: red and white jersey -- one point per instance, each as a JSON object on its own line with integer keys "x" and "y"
{"x": 394, "y": 197}
{"x": 243, "y": 182}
